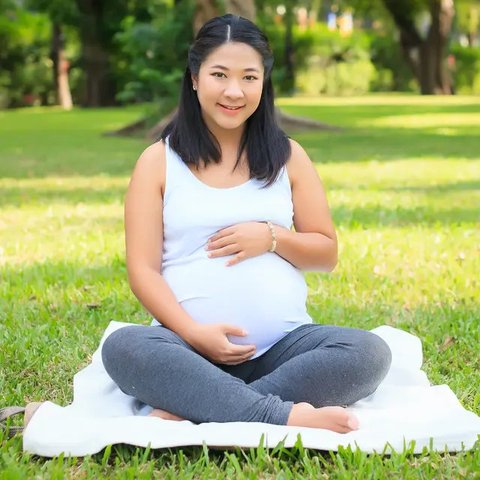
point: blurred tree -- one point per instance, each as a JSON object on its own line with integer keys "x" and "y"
{"x": 151, "y": 56}
{"x": 284, "y": 17}
{"x": 206, "y": 9}
{"x": 468, "y": 20}
{"x": 24, "y": 65}
{"x": 98, "y": 22}
{"x": 60, "y": 13}
{"x": 424, "y": 27}
{"x": 289, "y": 50}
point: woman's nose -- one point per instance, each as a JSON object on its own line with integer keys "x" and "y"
{"x": 233, "y": 90}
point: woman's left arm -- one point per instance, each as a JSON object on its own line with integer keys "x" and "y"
{"x": 313, "y": 244}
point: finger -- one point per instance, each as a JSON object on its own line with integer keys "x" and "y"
{"x": 236, "y": 259}
{"x": 241, "y": 350}
{"x": 238, "y": 362}
{"x": 220, "y": 242}
{"x": 222, "y": 252}
{"x": 221, "y": 233}
{"x": 235, "y": 360}
{"x": 234, "y": 330}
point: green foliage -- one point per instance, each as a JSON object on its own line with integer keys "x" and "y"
{"x": 335, "y": 65}
{"x": 406, "y": 10}
{"x": 467, "y": 15}
{"x": 25, "y": 67}
{"x": 339, "y": 79}
{"x": 328, "y": 63}
{"x": 26, "y": 73}
{"x": 392, "y": 72}
{"x": 466, "y": 71}
{"x": 153, "y": 55}
{"x": 59, "y": 11}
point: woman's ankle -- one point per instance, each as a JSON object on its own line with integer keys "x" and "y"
{"x": 299, "y": 414}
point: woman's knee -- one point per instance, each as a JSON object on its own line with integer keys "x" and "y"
{"x": 116, "y": 346}
{"x": 376, "y": 359}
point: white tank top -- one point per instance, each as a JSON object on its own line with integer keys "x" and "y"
{"x": 264, "y": 295}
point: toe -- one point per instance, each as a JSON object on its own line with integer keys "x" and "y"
{"x": 352, "y": 422}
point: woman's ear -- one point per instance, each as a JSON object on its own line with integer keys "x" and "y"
{"x": 194, "y": 82}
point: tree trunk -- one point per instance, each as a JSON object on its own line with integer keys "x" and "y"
{"x": 55, "y": 52}
{"x": 426, "y": 53}
{"x": 244, "y": 8}
{"x": 207, "y": 9}
{"x": 60, "y": 68}
{"x": 204, "y": 11}
{"x": 99, "y": 88}
{"x": 445, "y": 15}
{"x": 289, "y": 60}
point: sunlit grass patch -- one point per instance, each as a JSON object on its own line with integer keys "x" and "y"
{"x": 429, "y": 120}
{"x": 378, "y": 100}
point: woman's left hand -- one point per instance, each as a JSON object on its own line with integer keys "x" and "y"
{"x": 244, "y": 240}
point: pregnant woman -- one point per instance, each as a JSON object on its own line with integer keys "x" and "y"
{"x": 212, "y": 256}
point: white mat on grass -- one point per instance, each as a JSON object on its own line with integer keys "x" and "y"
{"x": 405, "y": 408}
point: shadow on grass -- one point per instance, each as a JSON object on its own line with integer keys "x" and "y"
{"x": 64, "y": 274}
{"x": 364, "y": 216}
{"x": 357, "y": 112}
{"x": 13, "y": 196}
{"x": 373, "y": 217}
{"x": 443, "y": 188}
{"x": 385, "y": 145}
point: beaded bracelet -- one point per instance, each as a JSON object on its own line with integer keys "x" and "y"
{"x": 274, "y": 236}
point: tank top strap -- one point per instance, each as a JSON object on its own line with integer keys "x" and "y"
{"x": 283, "y": 181}
{"x": 175, "y": 171}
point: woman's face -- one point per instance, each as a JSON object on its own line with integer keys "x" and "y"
{"x": 229, "y": 86}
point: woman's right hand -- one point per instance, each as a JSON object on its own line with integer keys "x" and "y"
{"x": 212, "y": 342}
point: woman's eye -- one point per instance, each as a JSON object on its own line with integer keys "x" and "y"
{"x": 249, "y": 78}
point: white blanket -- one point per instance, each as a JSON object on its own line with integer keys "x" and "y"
{"x": 404, "y": 408}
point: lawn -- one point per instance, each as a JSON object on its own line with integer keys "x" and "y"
{"x": 403, "y": 181}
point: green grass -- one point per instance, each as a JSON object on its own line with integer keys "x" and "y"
{"x": 403, "y": 180}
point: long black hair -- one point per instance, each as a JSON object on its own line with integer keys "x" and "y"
{"x": 266, "y": 145}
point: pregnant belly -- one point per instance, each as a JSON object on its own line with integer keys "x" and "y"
{"x": 264, "y": 295}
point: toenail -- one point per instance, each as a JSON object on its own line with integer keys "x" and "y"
{"x": 352, "y": 423}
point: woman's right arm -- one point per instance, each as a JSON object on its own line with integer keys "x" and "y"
{"x": 144, "y": 241}
{"x": 144, "y": 246}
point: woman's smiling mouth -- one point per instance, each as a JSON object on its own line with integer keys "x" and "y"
{"x": 230, "y": 109}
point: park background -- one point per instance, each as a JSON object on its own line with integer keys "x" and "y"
{"x": 384, "y": 96}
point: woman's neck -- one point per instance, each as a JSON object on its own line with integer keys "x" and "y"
{"x": 229, "y": 139}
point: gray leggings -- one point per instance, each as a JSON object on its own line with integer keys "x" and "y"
{"x": 319, "y": 364}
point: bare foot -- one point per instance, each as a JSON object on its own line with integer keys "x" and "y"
{"x": 331, "y": 418}
{"x": 156, "y": 412}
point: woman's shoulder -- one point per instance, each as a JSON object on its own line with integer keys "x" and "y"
{"x": 151, "y": 165}
{"x": 299, "y": 162}
{"x": 153, "y": 154}
{"x": 153, "y": 157}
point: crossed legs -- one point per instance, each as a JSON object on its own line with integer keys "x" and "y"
{"x": 302, "y": 380}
